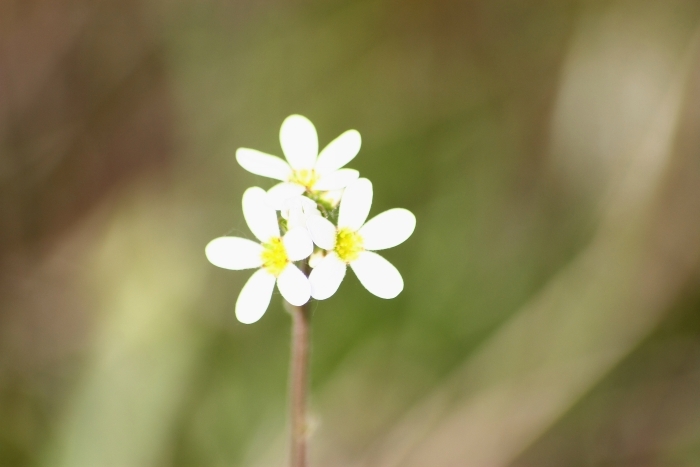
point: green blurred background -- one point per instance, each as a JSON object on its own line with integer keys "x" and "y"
{"x": 549, "y": 149}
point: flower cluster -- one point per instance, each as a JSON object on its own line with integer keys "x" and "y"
{"x": 318, "y": 213}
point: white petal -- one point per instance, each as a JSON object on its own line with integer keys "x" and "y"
{"x": 355, "y": 204}
{"x": 300, "y": 202}
{"x": 308, "y": 205}
{"x": 388, "y": 229}
{"x": 278, "y": 195}
{"x": 327, "y": 276}
{"x": 378, "y": 275}
{"x": 322, "y": 231}
{"x": 312, "y": 212}
{"x": 299, "y": 142}
{"x": 295, "y": 218}
{"x": 336, "y": 180}
{"x": 255, "y": 297}
{"x": 297, "y": 209}
{"x": 234, "y": 253}
{"x": 298, "y": 244}
{"x": 294, "y": 285}
{"x": 339, "y": 152}
{"x": 263, "y": 164}
{"x": 260, "y": 217}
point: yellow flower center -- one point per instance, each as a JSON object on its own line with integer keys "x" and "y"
{"x": 274, "y": 256}
{"x": 348, "y": 244}
{"x": 306, "y": 177}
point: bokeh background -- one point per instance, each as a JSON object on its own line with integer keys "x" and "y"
{"x": 549, "y": 149}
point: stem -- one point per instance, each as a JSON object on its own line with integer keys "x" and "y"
{"x": 298, "y": 385}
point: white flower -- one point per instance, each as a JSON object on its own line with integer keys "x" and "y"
{"x": 274, "y": 256}
{"x": 305, "y": 169}
{"x": 353, "y": 241}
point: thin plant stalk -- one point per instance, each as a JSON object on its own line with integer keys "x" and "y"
{"x": 299, "y": 382}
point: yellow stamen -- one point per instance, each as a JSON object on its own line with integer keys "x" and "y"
{"x": 306, "y": 177}
{"x": 348, "y": 244}
{"x": 274, "y": 256}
